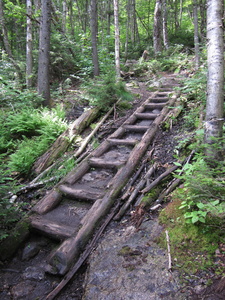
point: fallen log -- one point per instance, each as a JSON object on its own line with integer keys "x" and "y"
{"x": 64, "y": 140}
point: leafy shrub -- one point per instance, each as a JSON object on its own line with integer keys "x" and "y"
{"x": 28, "y": 150}
{"x": 24, "y": 123}
{"x": 203, "y": 192}
{"x": 36, "y": 130}
{"x": 105, "y": 91}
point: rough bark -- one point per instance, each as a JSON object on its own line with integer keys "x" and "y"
{"x": 215, "y": 81}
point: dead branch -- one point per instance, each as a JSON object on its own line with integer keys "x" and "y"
{"x": 135, "y": 192}
{"x": 160, "y": 178}
{"x": 168, "y": 250}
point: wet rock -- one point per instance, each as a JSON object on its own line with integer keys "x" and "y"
{"x": 22, "y": 290}
{"x": 30, "y": 250}
{"x": 129, "y": 265}
{"x": 34, "y": 273}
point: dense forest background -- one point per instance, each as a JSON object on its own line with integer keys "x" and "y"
{"x": 49, "y": 48}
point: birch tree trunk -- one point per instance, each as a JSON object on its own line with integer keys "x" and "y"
{"x": 94, "y": 33}
{"x": 44, "y": 56}
{"x": 215, "y": 80}
{"x": 157, "y": 30}
{"x": 196, "y": 38}
{"x": 164, "y": 24}
{"x": 29, "y": 57}
{"x": 117, "y": 37}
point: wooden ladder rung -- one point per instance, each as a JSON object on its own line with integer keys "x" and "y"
{"x": 82, "y": 194}
{"x": 99, "y": 162}
{"x": 50, "y": 228}
{"x": 154, "y": 105}
{"x": 128, "y": 142}
{"x": 136, "y": 128}
{"x": 159, "y": 100}
{"x": 146, "y": 116}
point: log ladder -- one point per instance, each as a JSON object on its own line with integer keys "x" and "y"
{"x": 75, "y": 207}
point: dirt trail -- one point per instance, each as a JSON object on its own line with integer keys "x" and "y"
{"x": 86, "y": 194}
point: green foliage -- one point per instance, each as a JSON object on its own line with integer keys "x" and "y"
{"x": 28, "y": 150}
{"x": 193, "y": 245}
{"x": 9, "y": 212}
{"x": 203, "y": 192}
{"x": 105, "y": 91}
{"x": 29, "y": 133}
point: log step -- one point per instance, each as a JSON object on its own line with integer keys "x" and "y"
{"x": 154, "y": 105}
{"x": 162, "y": 94}
{"x": 102, "y": 163}
{"x": 159, "y": 100}
{"x": 135, "y": 128}
{"x": 128, "y": 142}
{"x": 146, "y": 116}
{"x": 82, "y": 194}
{"x": 54, "y": 230}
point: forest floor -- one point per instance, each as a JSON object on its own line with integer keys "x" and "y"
{"x": 21, "y": 277}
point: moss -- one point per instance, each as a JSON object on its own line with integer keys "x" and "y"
{"x": 192, "y": 246}
{"x": 151, "y": 197}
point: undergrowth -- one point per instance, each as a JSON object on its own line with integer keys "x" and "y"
{"x": 104, "y": 91}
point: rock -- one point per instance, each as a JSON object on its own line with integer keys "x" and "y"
{"x": 22, "y": 290}
{"x": 127, "y": 264}
{"x": 34, "y": 273}
{"x": 30, "y": 250}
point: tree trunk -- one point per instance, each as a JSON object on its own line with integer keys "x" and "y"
{"x": 196, "y": 39}
{"x": 215, "y": 83}
{"x": 164, "y": 24}
{"x": 94, "y": 33}
{"x": 64, "y": 15}
{"x": 117, "y": 37}
{"x": 157, "y": 30}
{"x": 29, "y": 57}
{"x": 44, "y": 49}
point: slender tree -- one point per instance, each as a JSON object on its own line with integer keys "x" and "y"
{"x": 215, "y": 81}
{"x": 94, "y": 33}
{"x": 117, "y": 37}
{"x": 196, "y": 36}
{"x": 44, "y": 56}
{"x": 29, "y": 56}
{"x": 164, "y": 24}
{"x": 157, "y": 30}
